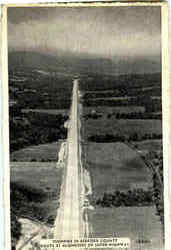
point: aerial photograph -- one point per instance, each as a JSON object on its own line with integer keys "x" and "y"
{"x": 85, "y": 125}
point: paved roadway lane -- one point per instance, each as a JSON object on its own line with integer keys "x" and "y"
{"x": 67, "y": 225}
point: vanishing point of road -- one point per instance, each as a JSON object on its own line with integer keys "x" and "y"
{"x": 69, "y": 223}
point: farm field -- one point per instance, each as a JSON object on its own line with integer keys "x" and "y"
{"x": 117, "y": 109}
{"x": 43, "y": 152}
{"x": 38, "y": 175}
{"x": 103, "y": 126}
{"x": 140, "y": 224}
{"x": 115, "y": 166}
{"x": 153, "y": 87}
{"x": 149, "y": 145}
{"x": 47, "y": 111}
{"x": 30, "y": 180}
{"x": 113, "y": 98}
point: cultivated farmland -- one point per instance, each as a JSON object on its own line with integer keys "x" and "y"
{"x": 103, "y": 126}
{"x": 43, "y": 152}
{"x": 140, "y": 224}
{"x": 115, "y": 166}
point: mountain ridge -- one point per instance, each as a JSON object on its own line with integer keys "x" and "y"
{"x": 81, "y": 64}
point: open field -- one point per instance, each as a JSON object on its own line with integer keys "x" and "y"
{"x": 153, "y": 88}
{"x": 103, "y": 126}
{"x": 47, "y": 111}
{"x": 140, "y": 224}
{"x": 43, "y": 152}
{"x": 39, "y": 175}
{"x": 149, "y": 145}
{"x": 115, "y": 166}
{"x": 35, "y": 190}
{"x": 117, "y": 109}
{"x": 120, "y": 98}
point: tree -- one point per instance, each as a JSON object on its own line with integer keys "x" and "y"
{"x": 15, "y": 229}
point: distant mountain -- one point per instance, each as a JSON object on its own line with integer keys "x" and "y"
{"x": 30, "y": 60}
{"x": 68, "y": 63}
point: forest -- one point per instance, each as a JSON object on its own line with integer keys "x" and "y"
{"x": 35, "y": 128}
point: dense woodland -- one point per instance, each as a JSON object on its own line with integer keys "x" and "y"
{"x": 135, "y": 198}
{"x": 135, "y": 137}
{"x": 26, "y": 203}
{"x": 35, "y": 128}
{"x": 123, "y": 84}
{"x": 151, "y": 105}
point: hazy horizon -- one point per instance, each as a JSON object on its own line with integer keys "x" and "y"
{"x": 127, "y": 37}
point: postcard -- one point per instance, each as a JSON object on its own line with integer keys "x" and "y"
{"x": 86, "y": 104}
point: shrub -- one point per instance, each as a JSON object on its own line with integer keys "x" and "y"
{"x": 135, "y": 197}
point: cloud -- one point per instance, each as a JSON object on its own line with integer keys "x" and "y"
{"x": 128, "y": 32}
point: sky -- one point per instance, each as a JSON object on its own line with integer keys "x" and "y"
{"x": 127, "y": 33}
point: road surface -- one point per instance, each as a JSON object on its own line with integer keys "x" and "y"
{"x": 69, "y": 221}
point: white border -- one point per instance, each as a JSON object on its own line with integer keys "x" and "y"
{"x": 5, "y": 132}
{"x": 166, "y": 98}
